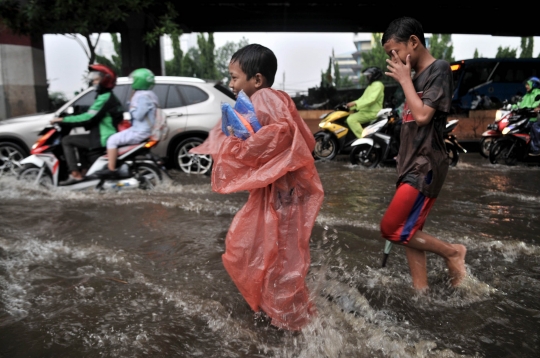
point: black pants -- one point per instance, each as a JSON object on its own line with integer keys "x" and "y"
{"x": 82, "y": 143}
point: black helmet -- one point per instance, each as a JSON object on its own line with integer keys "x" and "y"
{"x": 372, "y": 74}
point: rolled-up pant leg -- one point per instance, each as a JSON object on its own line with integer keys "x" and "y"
{"x": 69, "y": 144}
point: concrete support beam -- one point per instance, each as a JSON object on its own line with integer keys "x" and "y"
{"x": 23, "y": 79}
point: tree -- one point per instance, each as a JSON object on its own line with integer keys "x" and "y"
{"x": 527, "y": 44}
{"x": 191, "y": 63}
{"x": 506, "y": 52}
{"x": 441, "y": 47}
{"x": 326, "y": 77}
{"x": 207, "y": 57}
{"x": 115, "y": 62}
{"x": 376, "y": 57}
{"x": 85, "y": 18}
{"x": 476, "y": 55}
{"x": 224, "y": 54}
{"x": 174, "y": 66}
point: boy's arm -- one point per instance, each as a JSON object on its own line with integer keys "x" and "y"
{"x": 421, "y": 112}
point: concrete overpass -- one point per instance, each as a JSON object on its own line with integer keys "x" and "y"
{"x": 453, "y": 17}
{"x": 22, "y": 64}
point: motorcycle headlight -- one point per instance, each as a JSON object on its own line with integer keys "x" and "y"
{"x": 498, "y": 115}
{"x": 506, "y": 130}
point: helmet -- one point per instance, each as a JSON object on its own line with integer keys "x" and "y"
{"x": 143, "y": 79}
{"x": 535, "y": 82}
{"x": 372, "y": 74}
{"x": 108, "y": 77}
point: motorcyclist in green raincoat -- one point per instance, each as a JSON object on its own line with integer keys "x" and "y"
{"x": 369, "y": 104}
{"x": 531, "y": 99}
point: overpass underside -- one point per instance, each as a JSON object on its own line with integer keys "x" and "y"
{"x": 361, "y": 16}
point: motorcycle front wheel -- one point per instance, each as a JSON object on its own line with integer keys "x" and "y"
{"x": 149, "y": 176}
{"x": 365, "y": 155}
{"x": 452, "y": 152}
{"x": 325, "y": 150}
{"x": 502, "y": 152}
{"x": 29, "y": 174}
{"x": 485, "y": 146}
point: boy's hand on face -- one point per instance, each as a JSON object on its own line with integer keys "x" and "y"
{"x": 398, "y": 70}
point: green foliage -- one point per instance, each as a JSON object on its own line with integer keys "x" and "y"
{"x": 326, "y": 77}
{"x": 224, "y": 54}
{"x": 57, "y": 100}
{"x": 174, "y": 66}
{"x": 115, "y": 62}
{"x": 441, "y": 47}
{"x": 376, "y": 57}
{"x": 506, "y": 52}
{"x": 476, "y": 55}
{"x": 190, "y": 63}
{"x": 527, "y": 44}
{"x": 207, "y": 61}
{"x": 85, "y": 17}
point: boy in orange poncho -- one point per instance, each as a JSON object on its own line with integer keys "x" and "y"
{"x": 267, "y": 246}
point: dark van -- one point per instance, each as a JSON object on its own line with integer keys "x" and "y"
{"x": 497, "y": 78}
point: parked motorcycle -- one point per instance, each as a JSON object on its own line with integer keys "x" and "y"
{"x": 335, "y": 136}
{"x": 380, "y": 143}
{"x": 513, "y": 145}
{"x": 46, "y": 166}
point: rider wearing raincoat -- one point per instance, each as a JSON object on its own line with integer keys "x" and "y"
{"x": 532, "y": 100}
{"x": 267, "y": 246}
{"x": 369, "y": 104}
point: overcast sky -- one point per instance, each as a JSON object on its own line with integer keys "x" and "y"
{"x": 301, "y": 56}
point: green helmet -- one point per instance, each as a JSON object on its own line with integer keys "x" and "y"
{"x": 143, "y": 79}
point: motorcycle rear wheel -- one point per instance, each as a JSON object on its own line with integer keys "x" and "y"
{"x": 149, "y": 176}
{"x": 29, "y": 174}
{"x": 453, "y": 154}
{"x": 365, "y": 155}
{"x": 502, "y": 152}
{"x": 325, "y": 151}
{"x": 485, "y": 146}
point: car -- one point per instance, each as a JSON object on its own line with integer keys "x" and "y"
{"x": 192, "y": 107}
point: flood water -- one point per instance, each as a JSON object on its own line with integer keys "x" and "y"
{"x": 139, "y": 274}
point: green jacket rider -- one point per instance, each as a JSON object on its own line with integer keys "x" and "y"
{"x": 369, "y": 104}
{"x": 531, "y": 99}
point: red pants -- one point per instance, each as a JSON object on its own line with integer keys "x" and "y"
{"x": 406, "y": 214}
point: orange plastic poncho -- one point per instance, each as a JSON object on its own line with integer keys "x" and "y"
{"x": 267, "y": 246}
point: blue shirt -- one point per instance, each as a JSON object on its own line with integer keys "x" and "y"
{"x": 142, "y": 109}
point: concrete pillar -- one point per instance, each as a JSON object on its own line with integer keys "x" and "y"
{"x": 23, "y": 79}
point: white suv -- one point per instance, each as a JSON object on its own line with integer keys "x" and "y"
{"x": 192, "y": 107}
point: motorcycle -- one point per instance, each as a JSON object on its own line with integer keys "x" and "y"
{"x": 380, "y": 143}
{"x": 513, "y": 145}
{"x": 335, "y": 136}
{"x": 453, "y": 148}
{"x": 46, "y": 166}
{"x": 494, "y": 130}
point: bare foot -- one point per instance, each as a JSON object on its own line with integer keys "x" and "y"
{"x": 456, "y": 265}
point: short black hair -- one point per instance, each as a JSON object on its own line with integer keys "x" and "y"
{"x": 255, "y": 58}
{"x": 401, "y": 29}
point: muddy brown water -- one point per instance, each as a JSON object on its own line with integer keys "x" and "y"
{"x": 139, "y": 274}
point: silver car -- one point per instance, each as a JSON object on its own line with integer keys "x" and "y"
{"x": 192, "y": 107}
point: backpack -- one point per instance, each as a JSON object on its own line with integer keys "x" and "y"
{"x": 160, "y": 129}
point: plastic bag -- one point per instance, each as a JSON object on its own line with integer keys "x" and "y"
{"x": 241, "y": 121}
